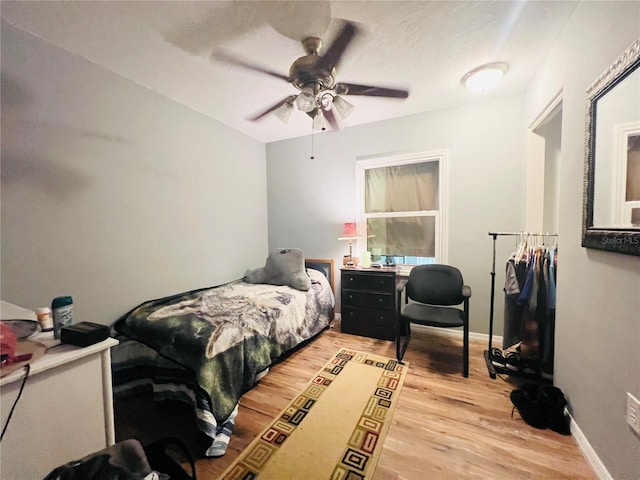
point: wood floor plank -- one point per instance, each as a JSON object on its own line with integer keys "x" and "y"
{"x": 445, "y": 426}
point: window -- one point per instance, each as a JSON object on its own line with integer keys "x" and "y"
{"x": 402, "y": 208}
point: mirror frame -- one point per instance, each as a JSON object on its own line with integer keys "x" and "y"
{"x": 620, "y": 240}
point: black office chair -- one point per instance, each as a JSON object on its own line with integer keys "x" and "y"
{"x": 432, "y": 292}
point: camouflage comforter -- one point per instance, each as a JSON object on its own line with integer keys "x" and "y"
{"x": 227, "y": 335}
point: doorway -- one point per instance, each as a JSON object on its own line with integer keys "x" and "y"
{"x": 544, "y": 157}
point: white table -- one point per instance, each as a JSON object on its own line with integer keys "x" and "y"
{"x": 65, "y": 411}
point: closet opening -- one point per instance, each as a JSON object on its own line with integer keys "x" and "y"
{"x": 544, "y": 157}
{"x": 551, "y": 131}
{"x": 529, "y": 284}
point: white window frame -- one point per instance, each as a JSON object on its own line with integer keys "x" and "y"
{"x": 441, "y": 215}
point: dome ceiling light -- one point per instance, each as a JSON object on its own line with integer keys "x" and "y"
{"x": 484, "y": 77}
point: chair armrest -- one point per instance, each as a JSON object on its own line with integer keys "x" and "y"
{"x": 399, "y": 289}
{"x": 466, "y": 291}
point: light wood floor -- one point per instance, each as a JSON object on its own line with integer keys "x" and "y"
{"x": 445, "y": 426}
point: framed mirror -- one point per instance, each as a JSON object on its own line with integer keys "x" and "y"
{"x": 611, "y": 204}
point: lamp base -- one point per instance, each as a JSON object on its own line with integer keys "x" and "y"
{"x": 350, "y": 261}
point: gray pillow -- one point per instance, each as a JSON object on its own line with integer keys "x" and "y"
{"x": 285, "y": 266}
{"x": 255, "y": 276}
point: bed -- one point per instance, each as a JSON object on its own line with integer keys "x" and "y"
{"x": 207, "y": 347}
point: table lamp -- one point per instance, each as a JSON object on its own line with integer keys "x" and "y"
{"x": 349, "y": 233}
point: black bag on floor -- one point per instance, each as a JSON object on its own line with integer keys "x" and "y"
{"x": 125, "y": 460}
{"x": 160, "y": 460}
{"x": 129, "y": 460}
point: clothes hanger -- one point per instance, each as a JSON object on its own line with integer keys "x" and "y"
{"x": 528, "y": 250}
{"x": 522, "y": 254}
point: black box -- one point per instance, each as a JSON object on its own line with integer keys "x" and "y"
{"x": 84, "y": 334}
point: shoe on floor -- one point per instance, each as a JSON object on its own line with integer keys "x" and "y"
{"x": 497, "y": 358}
{"x": 528, "y": 400}
{"x": 553, "y": 407}
{"x": 512, "y": 359}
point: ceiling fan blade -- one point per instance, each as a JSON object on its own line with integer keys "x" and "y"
{"x": 355, "y": 89}
{"x": 219, "y": 55}
{"x": 331, "y": 119}
{"x": 266, "y": 112}
{"x": 332, "y": 55}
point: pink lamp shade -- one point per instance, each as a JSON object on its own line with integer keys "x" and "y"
{"x": 350, "y": 230}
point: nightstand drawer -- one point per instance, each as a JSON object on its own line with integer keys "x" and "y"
{"x": 356, "y": 298}
{"x": 369, "y": 323}
{"x": 375, "y": 282}
{"x": 368, "y": 316}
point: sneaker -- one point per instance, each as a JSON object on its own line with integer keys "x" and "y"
{"x": 512, "y": 359}
{"x": 497, "y": 358}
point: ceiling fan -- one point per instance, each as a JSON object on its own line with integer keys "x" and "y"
{"x": 314, "y": 75}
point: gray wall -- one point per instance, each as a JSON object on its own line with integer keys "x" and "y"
{"x": 598, "y": 324}
{"x": 310, "y": 199}
{"x": 113, "y": 194}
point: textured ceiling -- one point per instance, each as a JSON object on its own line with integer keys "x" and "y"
{"x": 424, "y": 46}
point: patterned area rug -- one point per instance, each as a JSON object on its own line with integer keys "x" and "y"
{"x": 334, "y": 429}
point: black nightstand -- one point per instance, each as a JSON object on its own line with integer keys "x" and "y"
{"x": 368, "y": 302}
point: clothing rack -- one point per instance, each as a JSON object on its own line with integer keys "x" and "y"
{"x": 495, "y": 235}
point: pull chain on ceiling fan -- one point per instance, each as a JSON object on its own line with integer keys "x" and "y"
{"x": 314, "y": 75}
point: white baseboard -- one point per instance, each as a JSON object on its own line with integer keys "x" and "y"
{"x": 583, "y": 444}
{"x": 588, "y": 452}
{"x": 450, "y": 332}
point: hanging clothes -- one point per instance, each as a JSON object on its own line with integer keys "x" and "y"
{"x": 530, "y": 297}
{"x": 516, "y": 274}
{"x": 549, "y": 326}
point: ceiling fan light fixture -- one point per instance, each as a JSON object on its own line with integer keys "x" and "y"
{"x": 484, "y": 77}
{"x": 343, "y": 107}
{"x": 326, "y": 101}
{"x": 306, "y": 100}
{"x": 283, "y": 112}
